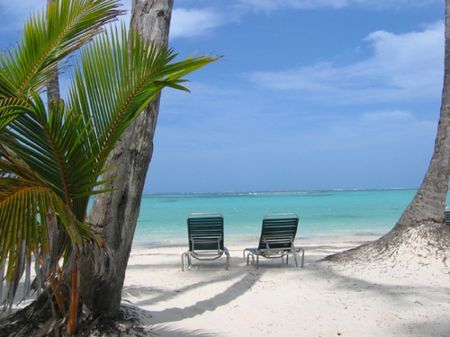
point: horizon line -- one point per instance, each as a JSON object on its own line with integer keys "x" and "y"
{"x": 250, "y": 192}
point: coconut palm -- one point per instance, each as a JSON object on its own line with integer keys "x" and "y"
{"x": 421, "y": 230}
{"x": 52, "y": 158}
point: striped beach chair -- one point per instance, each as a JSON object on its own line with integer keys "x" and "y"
{"x": 205, "y": 235}
{"x": 277, "y": 239}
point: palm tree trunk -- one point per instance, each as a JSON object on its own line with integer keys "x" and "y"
{"x": 53, "y": 85}
{"x": 115, "y": 213}
{"x": 53, "y": 88}
{"x": 74, "y": 299}
{"x": 421, "y": 229}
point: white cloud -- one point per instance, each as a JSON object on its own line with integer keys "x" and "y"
{"x": 269, "y": 5}
{"x": 378, "y": 130}
{"x": 404, "y": 66}
{"x": 194, "y": 22}
{"x": 186, "y": 22}
{"x": 395, "y": 115}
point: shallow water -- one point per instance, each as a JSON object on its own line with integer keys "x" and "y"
{"x": 162, "y": 219}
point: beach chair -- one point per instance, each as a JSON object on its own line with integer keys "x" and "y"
{"x": 205, "y": 234}
{"x": 447, "y": 218}
{"x": 277, "y": 239}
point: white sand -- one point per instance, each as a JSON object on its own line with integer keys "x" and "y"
{"x": 279, "y": 300}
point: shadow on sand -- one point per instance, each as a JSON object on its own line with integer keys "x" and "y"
{"x": 399, "y": 293}
{"x": 243, "y": 278}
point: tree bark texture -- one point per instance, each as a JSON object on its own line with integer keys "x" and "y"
{"x": 115, "y": 213}
{"x": 422, "y": 225}
{"x": 53, "y": 86}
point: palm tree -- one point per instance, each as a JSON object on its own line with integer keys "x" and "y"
{"x": 421, "y": 230}
{"x": 115, "y": 213}
{"x": 52, "y": 158}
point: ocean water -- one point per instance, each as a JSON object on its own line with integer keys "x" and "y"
{"x": 162, "y": 220}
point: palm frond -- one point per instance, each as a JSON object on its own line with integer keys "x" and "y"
{"x": 52, "y": 159}
{"x": 38, "y": 139}
{"x": 119, "y": 75}
{"x": 67, "y": 146}
{"x": 30, "y": 212}
{"x": 49, "y": 36}
{"x": 12, "y": 107}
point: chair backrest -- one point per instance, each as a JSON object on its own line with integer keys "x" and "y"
{"x": 278, "y": 230}
{"x": 447, "y": 217}
{"x": 206, "y": 229}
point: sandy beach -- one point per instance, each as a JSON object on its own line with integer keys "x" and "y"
{"x": 282, "y": 300}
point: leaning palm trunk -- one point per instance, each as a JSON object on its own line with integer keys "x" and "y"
{"x": 115, "y": 214}
{"x": 421, "y": 230}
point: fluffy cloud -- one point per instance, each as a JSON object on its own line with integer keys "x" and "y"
{"x": 402, "y": 66}
{"x": 395, "y": 115}
{"x": 325, "y": 148}
{"x": 194, "y": 22}
{"x": 268, "y": 5}
{"x": 186, "y": 22}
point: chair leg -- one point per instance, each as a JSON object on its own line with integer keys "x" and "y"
{"x": 184, "y": 256}
{"x": 227, "y": 253}
{"x": 295, "y": 258}
{"x": 250, "y": 254}
{"x": 287, "y": 259}
{"x": 257, "y": 261}
{"x": 189, "y": 260}
{"x": 294, "y": 252}
{"x": 303, "y": 257}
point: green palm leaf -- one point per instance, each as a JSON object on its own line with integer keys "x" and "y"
{"x": 51, "y": 35}
{"x": 52, "y": 159}
{"x": 27, "y": 207}
{"x": 119, "y": 75}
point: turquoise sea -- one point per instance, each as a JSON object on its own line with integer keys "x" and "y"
{"x": 162, "y": 219}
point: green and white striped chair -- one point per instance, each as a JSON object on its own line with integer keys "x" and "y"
{"x": 205, "y": 234}
{"x": 277, "y": 239}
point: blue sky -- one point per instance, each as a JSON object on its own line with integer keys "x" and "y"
{"x": 309, "y": 94}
